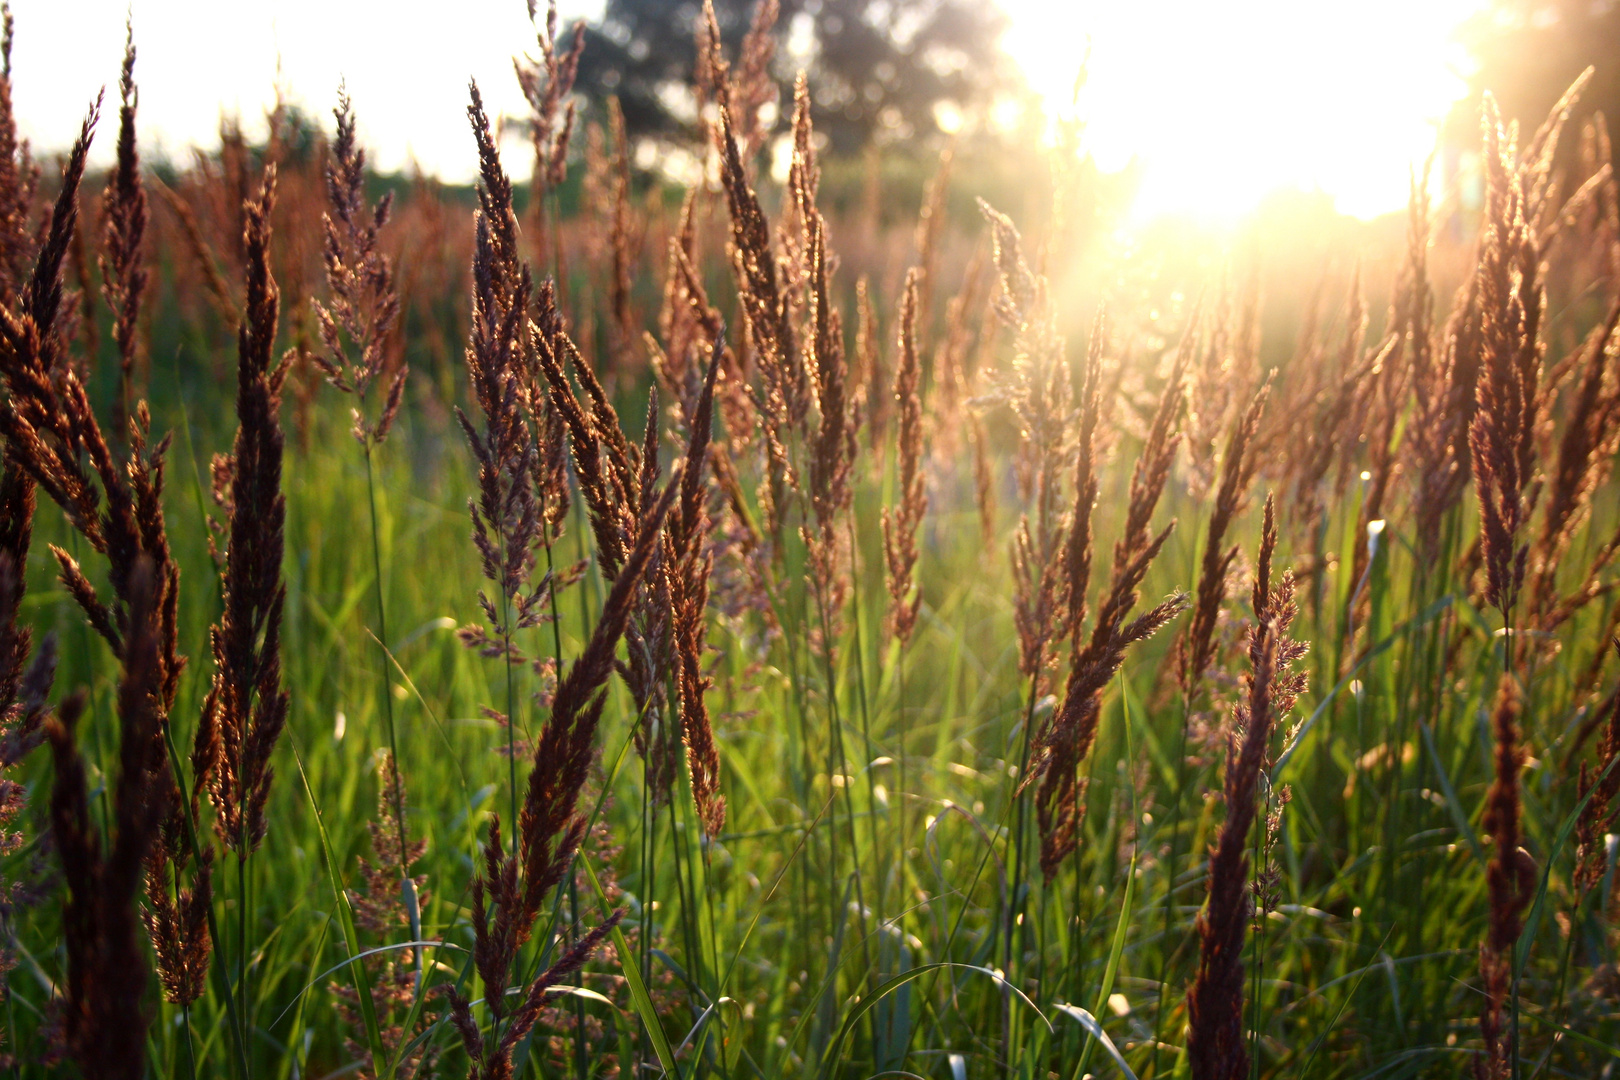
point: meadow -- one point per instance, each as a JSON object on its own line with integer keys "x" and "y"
{"x": 587, "y": 628}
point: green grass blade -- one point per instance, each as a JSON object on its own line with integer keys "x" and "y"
{"x": 1428, "y": 615}
{"x": 895, "y": 982}
{"x": 1343, "y": 1005}
{"x": 638, "y": 990}
{"x": 357, "y": 972}
{"x": 1565, "y": 831}
{"x": 1095, "y": 1033}
{"x": 1117, "y": 948}
{"x": 1454, "y": 807}
{"x": 1586, "y": 1040}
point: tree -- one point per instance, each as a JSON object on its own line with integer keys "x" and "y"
{"x": 879, "y": 70}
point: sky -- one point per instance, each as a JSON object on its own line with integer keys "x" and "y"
{"x": 1224, "y": 102}
{"x": 1218, "y": 103}
{"x": 406, "y": 63}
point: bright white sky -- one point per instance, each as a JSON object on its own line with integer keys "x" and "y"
{"x": 1220, "y": 102}
{"x": 407, "y": 63}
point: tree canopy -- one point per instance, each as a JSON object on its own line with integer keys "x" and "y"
{"x": 879, "y": 70}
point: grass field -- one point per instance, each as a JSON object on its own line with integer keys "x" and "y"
{"x": 877, "y": 666}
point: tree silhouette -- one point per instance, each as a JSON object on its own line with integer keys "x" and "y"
{"x": 879, "y": 70}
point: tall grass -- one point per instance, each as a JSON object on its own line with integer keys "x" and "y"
{"x": 815, "y": 696}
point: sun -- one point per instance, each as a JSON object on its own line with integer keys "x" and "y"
{"x": 1219, "y": 104}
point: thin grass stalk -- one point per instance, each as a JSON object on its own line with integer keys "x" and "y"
{"x": 1014, "y": 902}
{"x": 115, "y": 505}
{"x": 505, "y": 451}
{"x": 1599, "y": 788}
{"x": 222, "y": 981}
{"x": 386, "y": 684}
{"x": 1167, "y": 956}
{"x": 900, "y": 530}
{"x": 880, "y": 877}
{"x": 549, "y": 830}
{"x": 104, "y": 1019}
{"x": 123, "y": 274}
{"x": 363, "y": 307}
{"x": 1215, "y": 1041}
{"x": 1038, "y": 395}
{"x": 547, "y": 83}
{"x": 19, "y": 177}
{"x": 836, "y": 759}
{"x": 1511, "y": 882}
{"x": 1502, "y": 445}
{"x": 1066, "y": 737}
{"x": 831, "y": 447}
{"x": 647, "y": 839}
{"x": 246, "y": 707}
{"x": 1019, "y": 804}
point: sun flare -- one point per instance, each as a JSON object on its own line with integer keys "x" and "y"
{"x": 1220, "y": 105}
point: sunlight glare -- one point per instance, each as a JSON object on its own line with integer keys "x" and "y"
{"x": 1220, "y": 104}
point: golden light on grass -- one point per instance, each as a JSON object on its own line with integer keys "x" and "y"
{"x": 771, "y": 595}
{"x": 1219, "y": 105}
